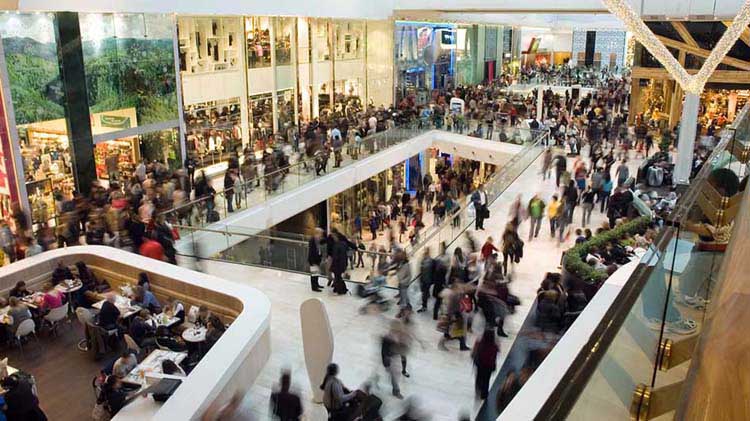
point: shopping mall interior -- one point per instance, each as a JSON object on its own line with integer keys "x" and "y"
{"x": 394, "y": 210}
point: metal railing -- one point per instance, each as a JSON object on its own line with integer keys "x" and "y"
{"x": 266, "y": 249}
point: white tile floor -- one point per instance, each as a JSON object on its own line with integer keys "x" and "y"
{"x": 443, "y": 381}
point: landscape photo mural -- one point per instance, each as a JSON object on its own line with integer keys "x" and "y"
{"x": 33, "y": 70}
{"x": 129, "y": 62}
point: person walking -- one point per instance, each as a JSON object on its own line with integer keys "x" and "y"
{"x": 484, "y": 357}
{"x": 403, "y": 275}
{"x": 394, "y": 344}
{"x": 426, "y": 268}
{"x": 339, "y": 260}
{"x": 606, "y": 191}
{"x": 536, "y": 213}
{"x": 511, "y": 247}
{"x": 546, "y": 163}
{"x": 587, "y": 206}
{"x": 286, "y": 406}
{"x": 453, "y": 324}
{"x": 439, "y": 277}
{"x": 315, "y": 258}
{"x": 622, "y": 173}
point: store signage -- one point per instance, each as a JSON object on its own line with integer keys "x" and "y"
{"x": 114, "y": 121}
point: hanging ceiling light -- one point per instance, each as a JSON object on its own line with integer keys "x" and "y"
{"x": 690, "y": 83}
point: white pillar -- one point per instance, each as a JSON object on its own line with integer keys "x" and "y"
{"x": 686, "y": 141}
{"x": 539, "y": 103}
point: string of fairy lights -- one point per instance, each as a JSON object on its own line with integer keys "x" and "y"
{"x": 690, "y": 83}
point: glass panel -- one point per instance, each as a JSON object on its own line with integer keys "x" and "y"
{"x": 322, "y": 72}
{"x": 379, "y": 63}
{"x": 213, "y": 131}
{"x": 162, "y": 146}
{"x": 38, "y": 102}
{"x": 630, "y": 359}
{"x": 261, "y": 120}
{"x": 129, "y": 62}
{"x": 349, "y": 68}
{"x": 284, "y": 34}
{"x": 257, "y": 33}
{"x": 208, "y": 44}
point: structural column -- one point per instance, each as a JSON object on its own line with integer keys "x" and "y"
{"x": 73, "y": 76}
{"x": 686, "y": 142}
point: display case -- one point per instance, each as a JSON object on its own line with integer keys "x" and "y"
{"x": 258, "y": 41}
{"x": 213, "y": 130}
{"x": 209, "y": 44}
{"x": 116, "y": 159}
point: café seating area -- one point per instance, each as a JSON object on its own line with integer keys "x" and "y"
{"x": 65, "y": 348}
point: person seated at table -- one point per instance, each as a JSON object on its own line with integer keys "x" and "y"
{"x": 113, "y": 395}
{"x": 215, "y": 329}
{"x": 61, "y": 273}
{"x": 109, "y": 314}
{"x": 339, "y": 401}
{"x": 18, "y": 313}
{"x": 125, "y": 364}
{"x": 52, "y": 298}
{"x": 146, "y": 299}
{"x": 165, "y": 339}
{"x": 169, "y": 367}
{"x": 203, "y": 316}
{"x": 96, "y": 291}
{"x": 141, "y": 331}
{"x": 175, "y": 309}
{"x": 20, "y": 401}
{"x": 19, "y": 290}
{"x": 143, "y": 281}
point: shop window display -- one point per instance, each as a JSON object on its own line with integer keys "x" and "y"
{"x": 425, "y": 58}
{"x": 129, "y": 62}
{"x": 349, "y": 40}
{"x": 258, "y": 39}
{"x": 162, "y": 146}
{"x": 261, "y": 119}
{"x": 286, "y": 121}
{"x": 283, "y": 34}
{"x": 348, "y": 98}
{"x": 213, "y": 130}
{"x": 116, "y": 159}
{"x": 321, "y": 40}
{"x": 209, "y": 44}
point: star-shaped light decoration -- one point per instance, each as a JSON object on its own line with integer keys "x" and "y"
{"x": 690, "y": 83}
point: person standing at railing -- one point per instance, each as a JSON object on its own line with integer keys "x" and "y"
{"x": 479, "y": 199}
{"x": 229, "y": 190}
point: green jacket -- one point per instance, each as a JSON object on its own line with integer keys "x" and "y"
{"x": 536, "y": 208}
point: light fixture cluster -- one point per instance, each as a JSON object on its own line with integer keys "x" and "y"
{"x": 690, "y": 83}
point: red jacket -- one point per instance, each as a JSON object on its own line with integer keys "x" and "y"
{"x": 152, "y": 249}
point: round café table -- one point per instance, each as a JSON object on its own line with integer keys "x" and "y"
{"x": 194, "y": 334}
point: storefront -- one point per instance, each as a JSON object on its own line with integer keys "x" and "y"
{"x": 424, "y": 58}
{"x": 164, "y": 87}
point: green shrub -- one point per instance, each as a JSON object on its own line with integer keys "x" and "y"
{"x": 576, "y": 266}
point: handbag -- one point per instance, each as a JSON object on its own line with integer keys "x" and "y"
{"x": 466, "y": 305}
{"x": 486, "y": 212}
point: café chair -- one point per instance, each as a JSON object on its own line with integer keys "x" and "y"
{"x": 55, "y": 316}
{"x": 132, "y": 345}
{"x": 26, "y": 328}
{"x": 86, "y": 318}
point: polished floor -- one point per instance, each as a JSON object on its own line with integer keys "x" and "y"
{"x": 441, "y": 381}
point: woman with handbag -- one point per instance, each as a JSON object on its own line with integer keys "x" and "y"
{"x": 452, "y": 322}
